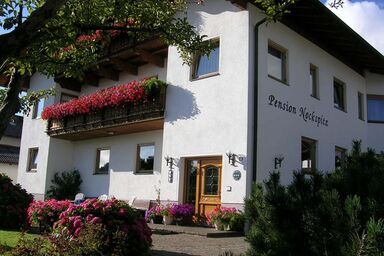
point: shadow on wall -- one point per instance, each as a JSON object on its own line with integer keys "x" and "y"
{"x": 181, "y": 104}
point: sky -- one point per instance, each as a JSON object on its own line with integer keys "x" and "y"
{"x": 366, "y": 17}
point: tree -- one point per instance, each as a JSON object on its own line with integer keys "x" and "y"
{"x": 67, "y": 37}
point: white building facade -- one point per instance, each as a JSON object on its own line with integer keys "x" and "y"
{"x": 269, "y": 98}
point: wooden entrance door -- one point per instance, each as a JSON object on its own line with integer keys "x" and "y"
{"x": 204, "y": 184}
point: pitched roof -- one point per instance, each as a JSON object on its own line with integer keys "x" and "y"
{"x": 9, "y": 154}
{"x": 14, "y": 127}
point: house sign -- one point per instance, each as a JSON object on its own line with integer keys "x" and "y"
{"x": 305, "y": 114}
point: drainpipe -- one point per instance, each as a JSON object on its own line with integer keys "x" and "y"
{"x": 255, "y": 99}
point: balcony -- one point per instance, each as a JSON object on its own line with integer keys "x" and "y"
{"x": 110, "y": 121}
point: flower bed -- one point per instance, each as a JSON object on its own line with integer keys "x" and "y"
{"x": 224, "y": 218}
{"x": 46, "y": 213}
{"x": 135, "y": 92}
{"x": 181, "y": 213}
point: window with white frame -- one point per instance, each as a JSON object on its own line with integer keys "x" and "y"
{"x": 339, "y": 94}
{"x": 38, "y": 109}
{"x": 102, "y": 160}
{"x": 145, "y": 158}
{"x": 277, "y": 62}
{"x": 360, "y": 102}
{"x": 308, "y": 154}
{"x": 32, "y": 159}
{"x": 339, "y": 156}
{"x": 207, "y": 65}
{"x": 313, "y": 81}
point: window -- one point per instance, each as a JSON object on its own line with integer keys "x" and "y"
{"x": 339, "y": 156}
{"x": 308, "y": 155}
{"x": 313, "y": 81}
{"x": 360, "y": 102}
{"x": 66, "y": 97}
{"x": 102, "y": 161}
{"x": 375, "y": 108}
{"x": 339, "y": 94}
{"x": 205, "y": 65}
{"x": 32, "y": 159}
{"x": 38, "y": 109}
{"x": 277, "y": 62}
{"x": 145, "y": 158}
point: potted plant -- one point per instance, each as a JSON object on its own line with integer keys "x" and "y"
{"x": 166, "y": 212}
{"x": 221, "y": 217}
{"x": 182, "y": 213}
{"x": 153, "y": 215}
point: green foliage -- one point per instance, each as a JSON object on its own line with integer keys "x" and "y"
{"x": 14, "y": 202}
{"x": 320, "y": 214}
{"x": 274, "y": 10}
{"x": 65, "y": 185}
{"x": 29, "y": 100}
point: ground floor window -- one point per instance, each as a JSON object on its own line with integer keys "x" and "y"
{"x": 102, "y": 161}
{"x": 375, "y": 108}
{"x": 32, "y": 159}
{"x": 339, "y": 156}
{"x": 308, "y": 154}
{"x": 145, "y": 158}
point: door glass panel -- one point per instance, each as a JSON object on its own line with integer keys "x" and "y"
{"x": 211, "y": 186}
{"x": 192, "y": 168}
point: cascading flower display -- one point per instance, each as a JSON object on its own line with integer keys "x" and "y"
{"x": 134, "y": 92}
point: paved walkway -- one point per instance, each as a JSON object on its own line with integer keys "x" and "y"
{"x": 193, "y": 241}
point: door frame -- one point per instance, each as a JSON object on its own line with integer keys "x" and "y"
{"x": 200, "y": 158}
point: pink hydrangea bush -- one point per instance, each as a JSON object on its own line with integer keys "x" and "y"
{"x": 113, "y": 215}
{"x": 46, "y": 213}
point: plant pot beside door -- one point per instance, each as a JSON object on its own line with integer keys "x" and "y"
{"x": 168, "y": 220}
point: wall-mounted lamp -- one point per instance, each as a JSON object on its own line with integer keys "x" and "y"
{"x": 233, "y": 158}
{"x": 278, "y": 161}
{"x": 170, "y": 163}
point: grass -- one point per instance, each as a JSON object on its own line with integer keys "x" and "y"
{"x": 9, "y": 239}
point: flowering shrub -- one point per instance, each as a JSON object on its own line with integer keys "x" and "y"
{"x": 182, "y": 210}
{"x": 46, "y": 213}
{"x": 14, "y": 202}
{"x": 134, "y": 92}
{"x": 116, "y": 217}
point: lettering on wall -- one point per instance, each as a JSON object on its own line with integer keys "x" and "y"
{"x": 303, "y": 112}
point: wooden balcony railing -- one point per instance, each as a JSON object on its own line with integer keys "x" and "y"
{"x": 111, "y": 121}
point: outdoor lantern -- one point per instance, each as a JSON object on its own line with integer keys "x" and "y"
{"x": 234, "y": 158}
{"x": 170, "y": 163}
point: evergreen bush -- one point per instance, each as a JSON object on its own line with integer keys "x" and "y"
{"x": 65, "y": 185}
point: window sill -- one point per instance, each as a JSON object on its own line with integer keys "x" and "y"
{"x": 205, "y": 76}
{"x": 375, "y": 122}
{"x": 32, "y": 171}
{"x": 316, "y": 98}
{"x": 101, "y": 173}
{"x": 341, "y": 109}
{"x": 150, "y": 172}
{"x": 278, "y": 80}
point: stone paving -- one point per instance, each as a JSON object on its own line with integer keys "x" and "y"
{"x": 193, "y": 245}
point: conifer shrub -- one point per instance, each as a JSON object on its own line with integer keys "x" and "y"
{"x": 65, "y": 185}
{"x": 340, "y": 213}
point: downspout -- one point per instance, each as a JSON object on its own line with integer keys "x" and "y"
{"x": 255, "y": 100}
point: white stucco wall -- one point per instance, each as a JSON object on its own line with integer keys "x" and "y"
{"x": 375, "y": 86}
{"x": 280, "y": 132}
{"x": 10, "y": 170}
{"x": 207, "y": 117}
{"x": 34, "y": 136}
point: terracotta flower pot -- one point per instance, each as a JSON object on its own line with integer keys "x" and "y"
{"x": 168, "y": 220}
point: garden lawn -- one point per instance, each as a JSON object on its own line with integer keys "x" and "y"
{"x": 8, "y": 239}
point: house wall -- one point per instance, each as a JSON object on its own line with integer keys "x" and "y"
{"x": 375, "y": 85}
{"x": 280, "y": 132}
{"x": 10, "y": 170}
{"x": 33, "y": 136}
{"x": 208, "y": 117}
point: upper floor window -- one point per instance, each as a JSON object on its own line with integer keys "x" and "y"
{"x": 206, "y": 65}
{"x": 313, "y": 81}
{"x": 102, "y": 161}
{"x": 32, "y": 159}
{"x": 277, "y": 66}
{"x": 339, "y": 94}
{"x": 375, "y": 108}
{"x": 38, "y": 109}
{"x": 145, "y": 158}
{"x": 360, "y": 102}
